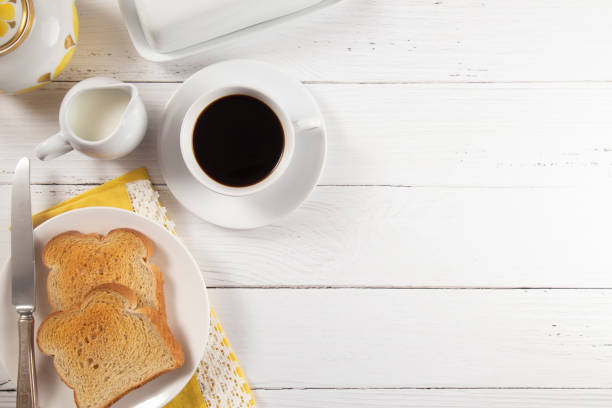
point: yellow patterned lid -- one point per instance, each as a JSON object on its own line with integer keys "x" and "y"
{"x": 16, "y": 18}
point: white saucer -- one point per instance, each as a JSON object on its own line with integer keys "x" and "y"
{"x": 274, "y": 202}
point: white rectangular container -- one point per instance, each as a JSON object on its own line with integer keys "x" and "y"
{"x": 163, "y": 30}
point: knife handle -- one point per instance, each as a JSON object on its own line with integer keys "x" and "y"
{"x": 26, "y": 377}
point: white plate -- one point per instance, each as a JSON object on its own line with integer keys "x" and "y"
{"x": 268, "y": 205}
{"x": 132, "y": 22}
{"x": 186, "y": 305}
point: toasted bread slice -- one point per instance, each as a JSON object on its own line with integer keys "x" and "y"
{"x": 107, "y": 347}
{"x": 80, "y": 262}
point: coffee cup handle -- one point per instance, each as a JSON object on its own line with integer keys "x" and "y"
{"x": 53, "y": 147}
{"x": 307, "y": 124}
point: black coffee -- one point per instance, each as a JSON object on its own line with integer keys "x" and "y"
{"x": 238, "y": 140}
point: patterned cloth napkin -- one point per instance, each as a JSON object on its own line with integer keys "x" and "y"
{"x": 219, "y": 381}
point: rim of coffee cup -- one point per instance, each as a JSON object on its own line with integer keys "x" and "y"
{"x": 186, "y": 140}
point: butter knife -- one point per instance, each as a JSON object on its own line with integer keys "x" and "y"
{"x": 24, "y": 282}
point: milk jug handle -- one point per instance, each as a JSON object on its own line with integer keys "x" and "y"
{"x": 53, "y": 147}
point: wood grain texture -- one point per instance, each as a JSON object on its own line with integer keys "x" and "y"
{"x": 400, "y": 134}
{"x": 433, "y": 398}
{"x": 386, "y": 40}
{"x": 401, "y": 237}
{"x": 419, "y": 338}
{"x": 415, "y": 338}
{"x": 419, "y": 398}
{"x": 496, "y": 112}
{"x": 7, "y": 399}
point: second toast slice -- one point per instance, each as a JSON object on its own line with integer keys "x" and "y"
{"x": 107, "y": 346}
{"x": 80, "y": 262}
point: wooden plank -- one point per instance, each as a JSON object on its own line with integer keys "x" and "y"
{"x": 386, "y": 40}
{"x": 419, "y": 398}
{"x": 419, "y": 338}
{"x": 433, "y": 398}
{"x": 402, "y": 338}
{"x": 417, "y": 135}
{"x": 401, "y": 237}
{"x": 7, "y": 399}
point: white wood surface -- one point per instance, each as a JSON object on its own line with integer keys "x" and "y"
{"x": 435, "y": 398}
{"x": 456, "y": 252}
{"x": 417, "y": 338}
{"x": 397, "y": 134}
{"x": 421, "y": 398}
{"x": 390, "y": 338}
{"x": 388, "y": 41}
{"x": 364, "y": 236}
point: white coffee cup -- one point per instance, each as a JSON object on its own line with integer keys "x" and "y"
{"x": 291, "y": 130}
{"x": 100, "y": 117}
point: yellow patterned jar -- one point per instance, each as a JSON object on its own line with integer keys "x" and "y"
{"x": 37, "y": 39}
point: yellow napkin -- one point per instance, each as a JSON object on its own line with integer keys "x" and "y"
{"x": 219, "y": 381}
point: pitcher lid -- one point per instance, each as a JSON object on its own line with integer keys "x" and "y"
{"x": 16, "y": 18}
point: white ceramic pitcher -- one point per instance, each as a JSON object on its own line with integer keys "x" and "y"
{"x": 100, "y": 117}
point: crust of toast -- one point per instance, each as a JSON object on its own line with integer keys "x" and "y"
{"x": 162, "y": 327}
{"x": 156, "y": 319}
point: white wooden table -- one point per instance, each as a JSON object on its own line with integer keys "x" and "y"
{"x": 458, "y": 250}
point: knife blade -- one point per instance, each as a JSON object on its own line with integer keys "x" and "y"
{"x": 22, "y": 241}
{"x": 23, "y": 288}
